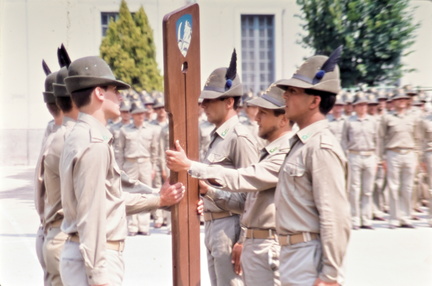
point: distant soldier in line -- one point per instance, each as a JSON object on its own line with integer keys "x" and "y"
{"x": 125, "y": 116}
{"x": 258, "y": 249}
{"x": 55, "y": 238}
{"x": 399, "y": 132}
{"x": 360, "y": 142}
{"x": 94, "y": 205}
{"x": 376, "y": 108}
{"x": 231, "y": 146}
{"x": 139, "y": 151}
{"x": 160, "y": 216}
{"x": 426, "y": 131}
{"x": 348, "y": 106}
{"x": 337, "y": 118}
{"x": 312, "y": 208}
{"x": 39, "y": 196}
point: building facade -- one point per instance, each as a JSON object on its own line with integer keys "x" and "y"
{"x": 264, "y": 33}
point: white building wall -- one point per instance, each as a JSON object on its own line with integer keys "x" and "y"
{"x": 31, "y": 30}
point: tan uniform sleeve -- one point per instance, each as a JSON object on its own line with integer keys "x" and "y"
{"x": 89, "y": 176}
{"x": 257, "y": 177}
{"x": 329, "y": 192}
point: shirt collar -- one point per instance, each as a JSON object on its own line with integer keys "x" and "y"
{"x": 227, "y": 126}
{"x": 98, "y": 132}
{"x": 309, "y": 131}
{"x": 282, "y": 143}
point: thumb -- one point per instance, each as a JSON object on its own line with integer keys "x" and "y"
{"x": 178, "y": 146}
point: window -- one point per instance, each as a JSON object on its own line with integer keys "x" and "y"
{"x": 106, "y": 18}
{"x": 257, "y": 38}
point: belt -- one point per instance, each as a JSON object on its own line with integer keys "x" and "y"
{"x": 261, "y": 233}
{"x": 117, "y": 245}
{"x": 139, "y": 160}
{"x": 212, "y": 216}
{"x": 297, "y": 238}
{"x": 362, "y": 153}
{"x": 401, "y": 150}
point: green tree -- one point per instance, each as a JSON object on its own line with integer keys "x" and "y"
{"x": 375, "y": 36}
{"x": 126, "y": 50}
{"x": 146, "y": 57}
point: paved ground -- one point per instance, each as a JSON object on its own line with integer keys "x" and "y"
{"x": 401, "y": 257}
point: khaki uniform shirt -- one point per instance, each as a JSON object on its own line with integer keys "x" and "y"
{"x": 39, "y": 195}
{"x": 311, "y": 195}
{"x": 205, "y": 130}
{"x": 399, "y": 131}
{"x": 53, "y": 205}
{"x": 360, "y": 134}
{"x": 426, "y": 132}
{"x": 336, "y": 126}
{"x": 94, "y": 204}
{"x": 258, "y": 180}
{"x": 232, "y": 146}
{"x": 115, "y": 130}
{"x": 139, "y": 142}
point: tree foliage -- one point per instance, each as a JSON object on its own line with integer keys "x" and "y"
{"x": 129, "y": 49}
{"x": 375, "y": 36}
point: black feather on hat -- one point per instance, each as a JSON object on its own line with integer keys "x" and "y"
{"x": 45, "y": 68}
{"x": 328, "y": 65}
{"x": 231, "y": 71}
{"x": 63, "y": 57}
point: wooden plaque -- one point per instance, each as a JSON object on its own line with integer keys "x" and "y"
{"x": 181, "y": 40}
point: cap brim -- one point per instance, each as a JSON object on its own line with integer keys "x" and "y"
{"x": 293, "y": 82}
{"x": 75, "y": 83}
{"x": 261, "y": 102}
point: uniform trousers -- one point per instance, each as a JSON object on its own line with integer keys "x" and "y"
{"x": 139, "y": 169}
{"x": 428, "y": 159}
{"x": 73, "y": 271}
{"x": 300, "y": 264}
{"x": 159, "y": 215}
{"x": 362, "y": 177}
{"x": 52, "y": 248}
{"x": 220, "y": 236}
{"x": 260, "y": 262}
{"x": 380, "y": 194}
{"x": 40, "y": 238}
{"x": 400, "y": 177}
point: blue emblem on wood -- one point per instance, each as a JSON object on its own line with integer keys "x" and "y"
{"x": 184, "y": 33}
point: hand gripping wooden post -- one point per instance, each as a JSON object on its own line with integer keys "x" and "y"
{"x": 181, "y": 38}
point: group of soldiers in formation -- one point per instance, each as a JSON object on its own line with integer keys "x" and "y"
{"x": 284, "y": 177}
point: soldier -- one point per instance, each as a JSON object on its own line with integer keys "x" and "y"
{"x": 39, "y": 198}
{"x": 231, "y": 146}
{"x": 53, "y": 216}
{"x": 337, "y": 118}
{"x": 312, "y": 209}
{"x": 125, "y": 116}
{"x": 399, "y": 132}
{"x": 348, "y": 106}
{"x": 260, "y": 254}
{"x": 94, "y": 204}
{"x": 426, "y": 132}
{"x": 139, "y": 151}
{"x": 160, "y": 216}
{"x": 360, "y": 141}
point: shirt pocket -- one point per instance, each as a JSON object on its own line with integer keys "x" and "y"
{"x": 299, "y": 182}
{"x": 217, "y": 158}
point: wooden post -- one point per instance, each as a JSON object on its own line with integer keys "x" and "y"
{"x": 181, "y": 36}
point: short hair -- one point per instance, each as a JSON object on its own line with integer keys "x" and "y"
{"x": 237, "y": 100}
{"x": 65, "y": 103}
{"x": 82, "y": 97}
{"x": 53, "y": 109}
{"x": 328, "y": 99}
{"x": 277, "y": 112}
